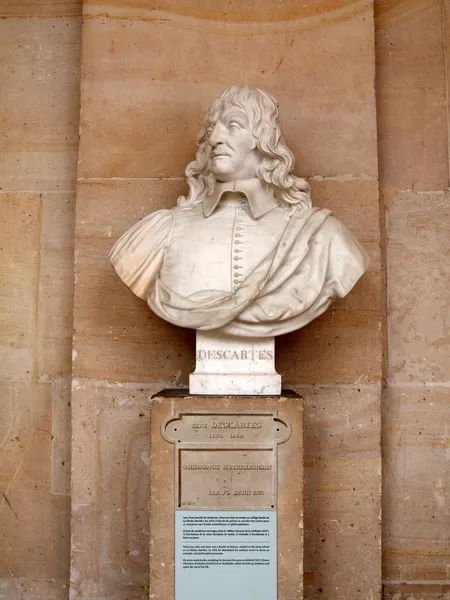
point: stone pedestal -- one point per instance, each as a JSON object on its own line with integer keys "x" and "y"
{"x": 234, "y": 365}
{"x": 226, "y": 498}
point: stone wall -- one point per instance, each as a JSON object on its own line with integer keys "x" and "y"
{"x": 412, "y": 107}
{"x": 39, "y": 113}
{"x": 148, "y": 73}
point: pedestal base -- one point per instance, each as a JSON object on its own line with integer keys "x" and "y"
{"x": 226, "y": 498}
{"x": 235, "y": 385}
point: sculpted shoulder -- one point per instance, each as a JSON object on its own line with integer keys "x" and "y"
{"x": 347, "y": 258}
{"x": 137, "y": 256}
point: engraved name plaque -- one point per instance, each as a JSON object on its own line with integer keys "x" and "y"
{"x": 221, "y": 514}
{"x": 226, "y": 459}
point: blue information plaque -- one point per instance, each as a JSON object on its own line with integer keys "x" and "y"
{"x": 225, "y": 555}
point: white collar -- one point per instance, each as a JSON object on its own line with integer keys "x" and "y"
{"x": 259, "y": 199}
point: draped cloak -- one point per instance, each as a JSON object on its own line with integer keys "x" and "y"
{"x": 312, "y": 260}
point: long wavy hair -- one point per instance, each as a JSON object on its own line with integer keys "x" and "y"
{"x": 277, "y": 164}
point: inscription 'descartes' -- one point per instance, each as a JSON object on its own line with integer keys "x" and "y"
{"x": 229, "y": 425}
{"x": 235, "y": 355}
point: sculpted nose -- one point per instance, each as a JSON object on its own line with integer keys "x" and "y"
{"x": 216, "y": 135}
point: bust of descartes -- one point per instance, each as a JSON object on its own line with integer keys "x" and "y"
{"x": 244, "y": 253}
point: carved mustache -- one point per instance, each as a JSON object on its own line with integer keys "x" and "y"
{"x": 221, "y": 150}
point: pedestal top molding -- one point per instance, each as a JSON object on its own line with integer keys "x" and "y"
{"x": 244, "y": 254}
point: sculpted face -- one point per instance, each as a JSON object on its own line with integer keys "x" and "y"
{"x": 232, "y": 147}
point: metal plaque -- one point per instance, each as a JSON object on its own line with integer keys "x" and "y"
{"x": 225, "y": 555}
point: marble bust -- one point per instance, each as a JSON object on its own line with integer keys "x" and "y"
{"x": 244, "y": 253}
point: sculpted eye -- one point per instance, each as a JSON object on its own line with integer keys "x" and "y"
{"x": 235, "y": 125}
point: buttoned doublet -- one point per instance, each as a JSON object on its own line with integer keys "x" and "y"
{"x": 239, "y": 262}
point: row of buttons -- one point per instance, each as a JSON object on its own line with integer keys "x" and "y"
{"x": 237, "y": 274}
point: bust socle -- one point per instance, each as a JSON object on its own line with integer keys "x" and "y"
{"x": 244, "y": 253}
